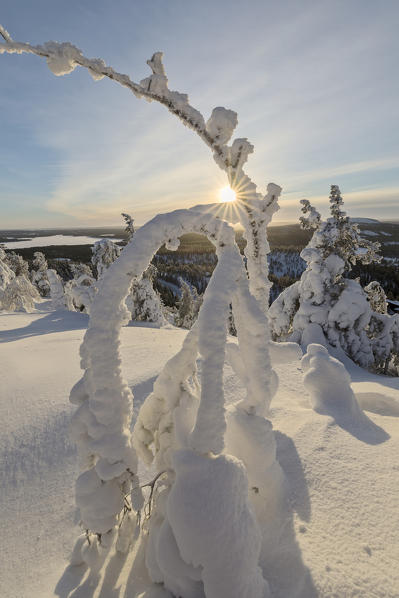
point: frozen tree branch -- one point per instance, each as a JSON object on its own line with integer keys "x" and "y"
{"x": 4, "y": 34}
{"x": 255, "y": 210}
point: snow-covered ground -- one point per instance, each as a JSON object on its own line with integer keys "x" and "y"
{"x": 56, "y": 240}
{"x": 343, "y": 520}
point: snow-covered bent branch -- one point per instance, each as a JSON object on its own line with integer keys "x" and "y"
{"x": 180, "y": 426}
{"x": 255, "y": 210}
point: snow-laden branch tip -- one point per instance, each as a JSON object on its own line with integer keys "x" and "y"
{"x": 63, "y": 58}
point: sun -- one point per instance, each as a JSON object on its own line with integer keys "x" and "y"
{"x": 227, "y": 194}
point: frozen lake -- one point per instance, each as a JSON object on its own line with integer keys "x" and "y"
{"x": 56, "y": 240}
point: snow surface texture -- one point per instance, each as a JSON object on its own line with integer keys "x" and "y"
{"x": 341, "y": 522}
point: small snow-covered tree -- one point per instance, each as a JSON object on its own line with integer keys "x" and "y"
{"x": 18, "y": 265}
{"x": 312, "y": 220}
{"x": 59, "y": 299}
{"x": 19, "y": 295}
{"x": 188, "y": 305}
{"x": 377, "y": 297}
{"x": 6, "y": 274}
{"x": 129, "y": 229}
{"x": 339, "y": 235}
{"x": 39, "y": 274}
{"x": 324, "y": 295}
{"x": 81, "y": 291}
{"x": 143, "y": 302}
{"x": 16, "y": 291}
{"x": 383, "y": 331}
{"x": 82, "y": 288}
{"x": 105, "y": 253}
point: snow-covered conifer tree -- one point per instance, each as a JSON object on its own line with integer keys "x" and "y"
{"x": 105, "y": 253}
{"x": 377, "y": 297}
{"x": 39, "y": 274}
{"x": 6, "y": 274}
{"x": 143, "y": 302}
{"x": 188, "y": 305}
{"x": 129, "y": 229}
{"x": 18, "y": 265}
{"x": 59, "y": 299}
{"x": 16, "y": 291}
{"x": 323, "y": 295}
{"x": 313, "y": 219}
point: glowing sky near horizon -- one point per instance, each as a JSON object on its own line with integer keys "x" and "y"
{"x": 314, "y": 84}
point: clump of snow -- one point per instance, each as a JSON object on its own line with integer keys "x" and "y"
{"x": 221, "y": 124}
{"x": 62, "y": 58}
{"x": 214, "y": 527}
{"x": 81, "y": 291}
{"x": 328, "y": 384}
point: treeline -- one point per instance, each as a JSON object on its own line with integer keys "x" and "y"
{"x": 385, "y": 273}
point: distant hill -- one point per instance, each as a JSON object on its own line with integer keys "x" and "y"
{"x": 365, "y": 220}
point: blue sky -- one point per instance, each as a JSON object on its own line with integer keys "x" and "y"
{"x": 314, "y": 83}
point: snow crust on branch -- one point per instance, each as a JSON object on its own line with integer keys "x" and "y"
{"x": 101, "y": 424}
{"x": 181, "y": 416}
{"x": 256, "y": 210}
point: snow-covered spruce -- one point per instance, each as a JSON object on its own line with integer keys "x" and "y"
{"x": 188, "y": 305}
{"x": 39, "y": 274}
{"x": 59, "y": 299}
{"x": 105, "y": 253}
{"x": 129, "y": 226}
{"x": 325, "y": 297}
{"x": 16, "y": 291}
{"x": 143, "y": 301}
{"x": 255, "y": 210}
{"x": 6, "y": 274}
